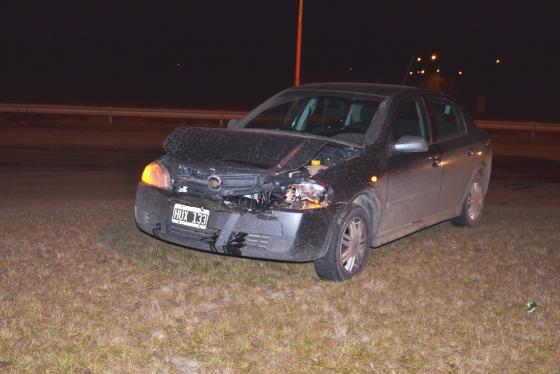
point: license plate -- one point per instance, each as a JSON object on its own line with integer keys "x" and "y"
{"x": 190, "y": 216}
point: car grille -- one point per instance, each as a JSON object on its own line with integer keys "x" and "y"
{"x": 191, "y": 232}
{"x": 231, "y": 184}
{"x": 240, "y": 181}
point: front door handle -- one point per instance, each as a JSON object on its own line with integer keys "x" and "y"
{"x": 470, "y": 152}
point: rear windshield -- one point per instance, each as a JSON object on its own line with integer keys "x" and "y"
{"x": 320, "y": 115}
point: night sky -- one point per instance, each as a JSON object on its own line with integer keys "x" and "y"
{"x": 234, "y": 54}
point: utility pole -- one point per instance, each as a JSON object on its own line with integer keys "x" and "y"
{"x": 298, "y": 44}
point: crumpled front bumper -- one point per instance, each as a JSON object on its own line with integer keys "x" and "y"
{"x": 276, "y": 235}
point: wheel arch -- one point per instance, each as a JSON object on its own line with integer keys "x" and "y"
{"x": 480, "y": 171}
{"x": 484, "y": 171}
{"x": 370, "y": 203}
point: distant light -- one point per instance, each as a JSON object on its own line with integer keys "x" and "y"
{"x": 498, "y": 61}
{"x": 433, "y": 57}
{"x": 417, "y": 71}
{"x": 410, "y": 73}
{"x": 418, "y": 59}
{"x": 437, "y": 70}
{"x": 178, "y": 65}
{"x": 460, "y": 72}
{"x": 422, "y": 71}
{"x": 350, "y": 68}
{"x": 374, "y": 178}
{"x": 479, "y": 153}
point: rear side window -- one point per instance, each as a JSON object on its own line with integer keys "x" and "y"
{"x": 445, "y": 120}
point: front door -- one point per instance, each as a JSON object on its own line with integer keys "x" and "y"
{"x": 413, "y": 184}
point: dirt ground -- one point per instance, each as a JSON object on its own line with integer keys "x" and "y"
{"x": 82, "y": 290}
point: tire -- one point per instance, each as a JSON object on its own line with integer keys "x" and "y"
{"x": 472, "y": 205}
{"x": 348, "y": 251}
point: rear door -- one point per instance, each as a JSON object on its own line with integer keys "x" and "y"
{"x": 456, "y": 147}
{"x": 413, "y": 179}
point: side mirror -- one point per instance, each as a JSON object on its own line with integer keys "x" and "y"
{"x": 232, "y": 123}
{"x": 409, "y": 144}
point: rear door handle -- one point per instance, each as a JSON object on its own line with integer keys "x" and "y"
{"x": 436, "y": 162}
{"x": 470, "y": 152}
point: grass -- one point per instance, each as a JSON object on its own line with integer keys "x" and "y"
{"x": 81, "y": 290}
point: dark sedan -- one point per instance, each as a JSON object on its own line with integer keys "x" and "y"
{"x": 319, "y": 173}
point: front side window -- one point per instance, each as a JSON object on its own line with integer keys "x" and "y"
{"x": 410, "y": 121}
{"x": 446, "y": 124}
{"x": 320, "y": 115}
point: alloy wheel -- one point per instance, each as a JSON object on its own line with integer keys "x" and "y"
{"x": 353, "y": 245}
{"x": 474, "y": 200}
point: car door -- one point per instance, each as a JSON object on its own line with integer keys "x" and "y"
{"x": 413, "y": 179}
{"x": 457, "y": 148}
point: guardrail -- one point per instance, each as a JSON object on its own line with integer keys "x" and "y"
{"x": 219, "y": 115}
{"x": 110, "y": 112}
{"x": 522, "y": 126}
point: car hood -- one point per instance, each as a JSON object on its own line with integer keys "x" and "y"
{"x": 258, "y": 149}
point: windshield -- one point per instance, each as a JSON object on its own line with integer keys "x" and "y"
{"x": 320, "y": 115}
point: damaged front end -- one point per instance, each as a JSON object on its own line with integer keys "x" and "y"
{"x": 278, "y": 192}
{"x": 257, "y": 190}
{"x": 252, "y": 205}
{"x": 284, "y": 174}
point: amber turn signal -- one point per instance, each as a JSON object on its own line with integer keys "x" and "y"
{"x": 156, "y": 175}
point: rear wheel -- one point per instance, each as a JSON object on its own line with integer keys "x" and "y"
{"x": 472, "y": 206}
{"x": 348, "y": 251}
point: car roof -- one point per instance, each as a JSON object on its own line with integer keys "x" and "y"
{"x": 384, "y": 90}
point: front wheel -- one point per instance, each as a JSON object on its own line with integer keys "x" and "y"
{"x": 348, "y": 250}
{"x": 472, "y": 206}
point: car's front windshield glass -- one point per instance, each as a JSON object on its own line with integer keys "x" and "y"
{"x": 318, "y": 115}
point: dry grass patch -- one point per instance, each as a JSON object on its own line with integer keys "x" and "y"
{"x": 82, "y": 290}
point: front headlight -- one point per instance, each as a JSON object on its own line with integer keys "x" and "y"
{"x": 305, "y": 195}
{"x": 156, "y": 175}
